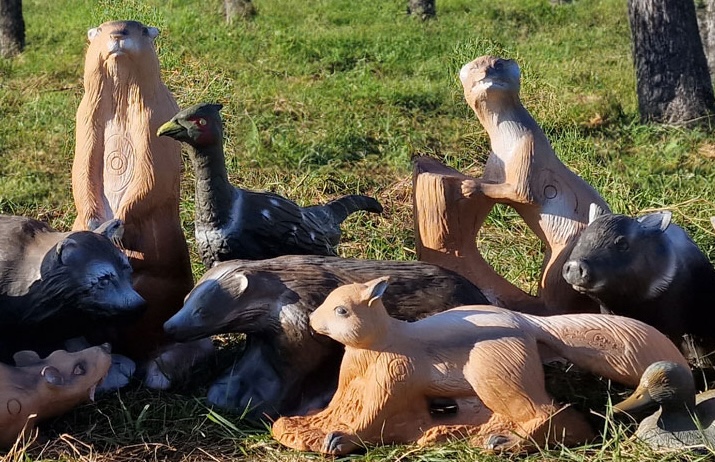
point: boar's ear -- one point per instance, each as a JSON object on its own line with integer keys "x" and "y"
{"x": 26, "y": 358}
{"x": 112, "y": 230}
{"x": 594, "y": 211}
{"x": 92, "y": 33}
{"x": 657, "y": 221}
{"x": 152, "y": 32}
{"x": 52, "y": 376}
{"x": 376, "y": 288}
{"x": 65, "y": 248}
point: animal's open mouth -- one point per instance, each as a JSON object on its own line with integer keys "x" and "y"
{"x": 580, "y": 289}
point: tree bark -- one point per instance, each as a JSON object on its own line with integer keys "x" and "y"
{"x": 423, "y": 9}
{"x": 12, "y": 28}
{"x": 673, "y": 82}
{"x": 706, "y": 24}
{"x": 238, "y": 9}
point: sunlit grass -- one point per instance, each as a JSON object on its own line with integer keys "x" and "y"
{"x": 330, "y": 97}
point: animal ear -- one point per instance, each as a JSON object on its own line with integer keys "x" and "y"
{"x": 92, "y": 33}
{"x": 112, "y": 230}
{"x": 65, "y": 249}
{"x": 53, "y": 376}
{"x": 240, "y": 282}
{"x": 376, "y": 288}
{"x": 218, "y": 106}
{"x": 152, "y": 32}
{"x": 26, "y": 358}
{"x": 594, "y": 211}
{"x": 657, "y": 221}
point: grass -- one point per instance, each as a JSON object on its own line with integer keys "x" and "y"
{"x": 330, "y": 97}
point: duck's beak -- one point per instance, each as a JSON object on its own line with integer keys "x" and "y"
{"x": 640, "y": 399}
{"x": 172, "y": 128}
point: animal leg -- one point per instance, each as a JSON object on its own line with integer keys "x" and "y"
{"x": 508, "y": 376}
{"x": 500, "y": 192}
{"x": 369, "y": 407}
{"x": 176, "y": 362}
{"x": 443, "y": 433}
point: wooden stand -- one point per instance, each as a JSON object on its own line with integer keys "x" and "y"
{"x": 446, "y": 226}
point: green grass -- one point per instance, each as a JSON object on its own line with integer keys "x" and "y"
{"x": 330, "y": 97}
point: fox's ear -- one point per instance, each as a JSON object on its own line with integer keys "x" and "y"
{"x": 112, "y": 230}
{"x": 64, "y": 249}
{"x": 375, "y": 289}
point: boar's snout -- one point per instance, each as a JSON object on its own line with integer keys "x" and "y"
{"x": 576, "y": 273}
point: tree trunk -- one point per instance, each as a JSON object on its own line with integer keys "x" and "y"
{"x": 238, "y": 9}
{"x": 706, "y": 24}
{"x": 446, "y": 226}
{"x": 423, "y": 9}
{"x": 12, "y": 28}
{"x": 673, "y": 82}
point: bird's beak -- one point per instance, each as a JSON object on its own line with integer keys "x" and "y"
{"x": 172, "y": 128}
{"x": 638, "y": 400}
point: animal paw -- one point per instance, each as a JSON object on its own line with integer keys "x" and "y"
{"x": 175, "y": 363}
{"x": 502, "y": 443}
{"x": 338, "y": 443}
{"x": 470, "y": 188}
{"x": 155, "y": 378}
{"x": 120, "y": 372}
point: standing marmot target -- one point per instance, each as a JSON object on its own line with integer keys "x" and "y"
{"x": 122, "y": 169}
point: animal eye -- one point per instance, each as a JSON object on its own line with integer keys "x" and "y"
{"x": 621, "y": 243}
{"x": 202, "y": 122}
{"x": 79, "y": 369}
{"x": 199, "y": 312}
{"x": 341, "y": 311}
{"x": 498, "y": 65}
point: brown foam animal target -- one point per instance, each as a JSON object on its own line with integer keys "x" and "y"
{"x": 123, "y": 170}
{"x": 37, "y": 389}
{"x": 524, "y": 172}
{"x": 487, "y": 359}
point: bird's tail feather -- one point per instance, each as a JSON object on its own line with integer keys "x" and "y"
{"x": 344, "y": 206}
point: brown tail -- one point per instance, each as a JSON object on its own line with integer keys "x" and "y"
{"x": 614, "y": 347}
